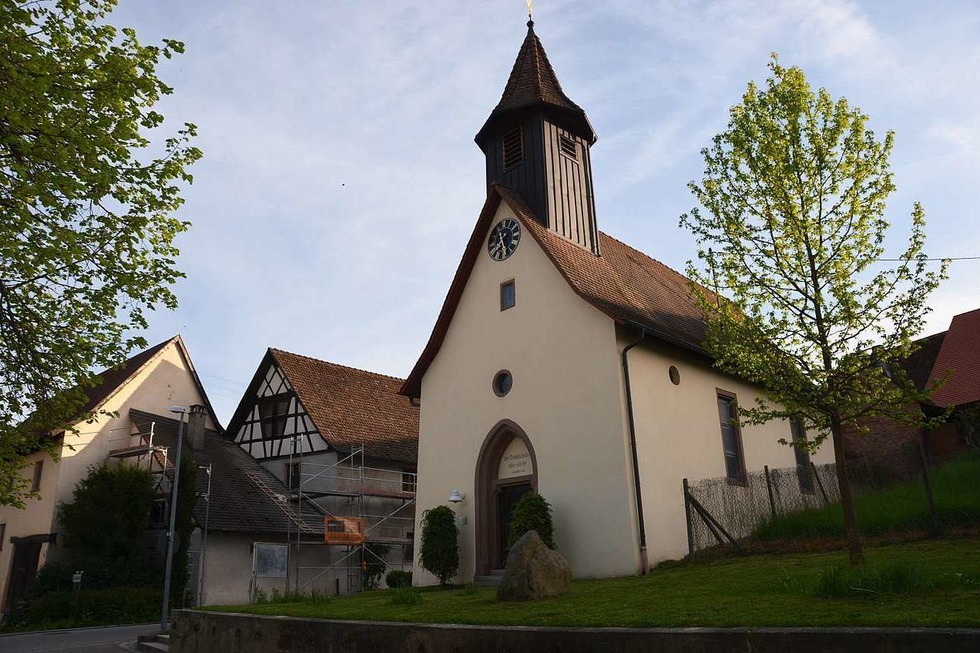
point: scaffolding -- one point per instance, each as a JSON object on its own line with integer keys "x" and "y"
{"x": 152, "y": 456}
{"x": 367, "y": 514}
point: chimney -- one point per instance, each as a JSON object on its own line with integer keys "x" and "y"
{"x": 195, "y": 428}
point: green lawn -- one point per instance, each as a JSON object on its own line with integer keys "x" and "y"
{"x": 932, "y": 583}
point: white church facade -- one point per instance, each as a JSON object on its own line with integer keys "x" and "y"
{"x": 568, "y": 363}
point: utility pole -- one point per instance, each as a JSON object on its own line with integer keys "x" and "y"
{"x": 165, "y": 610}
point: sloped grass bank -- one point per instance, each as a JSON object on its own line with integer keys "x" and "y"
{"x": 902, "y": 508}
{"x": 932, "y": 583}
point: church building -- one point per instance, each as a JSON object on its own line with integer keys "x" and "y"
{"x": 565, "y": 362}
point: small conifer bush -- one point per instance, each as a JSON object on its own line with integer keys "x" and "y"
{"x": 439, "y": 552}
{"x": 532, "y": 513}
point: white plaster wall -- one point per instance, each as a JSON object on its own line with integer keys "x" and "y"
{"x": 228, "y": 568}
{"x": 678, "y": 434}
{"x": 566, "y": 396}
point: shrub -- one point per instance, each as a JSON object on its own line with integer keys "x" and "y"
{"x": 439, "y": 552}
{"x": 406, "y": 596}
{"x": 396, "y": 578}
{"x": 532, "y": 513}
{"x": 118, "y": 605}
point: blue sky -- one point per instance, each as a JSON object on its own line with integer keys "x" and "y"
{"x": 340, "y": 180}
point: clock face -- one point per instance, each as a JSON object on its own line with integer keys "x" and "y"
{"x": 503, "y": 239}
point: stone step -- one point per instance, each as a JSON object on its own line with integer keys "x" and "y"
{"x": 153, "y": 643}
{"x": 492, "y": 580}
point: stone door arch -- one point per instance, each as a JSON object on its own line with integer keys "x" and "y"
{"x": 506, "y": 468}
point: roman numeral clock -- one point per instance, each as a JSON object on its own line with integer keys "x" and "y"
{"x": 503, "y": 239}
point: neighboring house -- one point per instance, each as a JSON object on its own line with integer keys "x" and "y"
{"x": 344, "y": 441}
{"x": 151, "y": 381}
{"x": 951, "y": 357}
{"x": 242, "y": 505}
{"x": 566, "y": 362}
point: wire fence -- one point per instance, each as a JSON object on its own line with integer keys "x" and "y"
{"x": 903, "y": 493}
{"x": 723, "y": 511}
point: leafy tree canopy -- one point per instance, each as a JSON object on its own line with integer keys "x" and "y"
{"x": 792, "y": 235}
{"x": 88, "y": 203}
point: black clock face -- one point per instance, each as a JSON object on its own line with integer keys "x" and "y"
{"x": 503, "y": 239}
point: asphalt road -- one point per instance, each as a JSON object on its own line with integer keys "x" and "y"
{"x": 114, "y": 639}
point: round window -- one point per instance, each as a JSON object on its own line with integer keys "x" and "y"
{"x": 675, "y": 376}
{"x": 502, "y": 383}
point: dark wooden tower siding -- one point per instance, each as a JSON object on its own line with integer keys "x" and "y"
{"x": 536, "y": 142}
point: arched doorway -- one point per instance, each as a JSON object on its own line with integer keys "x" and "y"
{"x": 505, "y": 471}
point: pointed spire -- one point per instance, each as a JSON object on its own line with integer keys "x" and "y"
{"x": 533, "y": 82}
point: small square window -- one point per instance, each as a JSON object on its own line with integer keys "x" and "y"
{"x": 508, "y": 295}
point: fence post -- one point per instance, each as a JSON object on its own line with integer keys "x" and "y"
{"x": 772, "y": 501}
{"x": 826, "y": 499}
{"x": 687, "y": 515}
{"x": 936, "y": 529}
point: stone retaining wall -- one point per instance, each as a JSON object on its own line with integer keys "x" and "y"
{"x": 217, "y": 632}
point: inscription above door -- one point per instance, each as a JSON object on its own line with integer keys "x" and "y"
{"x": 516, "y": 461}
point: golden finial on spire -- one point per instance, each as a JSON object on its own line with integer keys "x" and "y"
{"x": 530, "y": 13}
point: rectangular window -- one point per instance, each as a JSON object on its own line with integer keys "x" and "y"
{"x": 731, "y": 437}
{"x": 36, "y": 481}
{"x": 158, "y": 513}
{"x": 513, "y": 147}
{"x": 408, "y": 480}
{"x": 3, "y": 534}
{"x": 803, "y": 467}
{"x": 508, "y": 295}
{"x": 272, "y": 414}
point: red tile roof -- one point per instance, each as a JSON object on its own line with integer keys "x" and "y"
{"x": 352, "y": 407}
{"x": 959, "y": 357}
{"x": 624, "y": 283}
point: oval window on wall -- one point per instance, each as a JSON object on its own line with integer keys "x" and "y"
{"x": 502, "y": 383}
{"x": 675, "y": 376}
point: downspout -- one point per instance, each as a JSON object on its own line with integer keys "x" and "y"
{"x": 636, "y": 463}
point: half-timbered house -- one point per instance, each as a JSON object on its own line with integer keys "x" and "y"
{"x": 344, "y": 442}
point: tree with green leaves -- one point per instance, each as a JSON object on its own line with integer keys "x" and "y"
{"x": 792, "y": 240}
{"x": 88, "y": 208}
{"x": 439, "y": 550}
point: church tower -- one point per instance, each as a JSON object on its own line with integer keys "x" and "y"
{"x": 536, "y": 142}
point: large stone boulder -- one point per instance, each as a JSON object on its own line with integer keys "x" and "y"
{"x": 533, "y": 571}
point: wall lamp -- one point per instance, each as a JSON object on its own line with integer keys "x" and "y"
{"x": 456, "y": 496}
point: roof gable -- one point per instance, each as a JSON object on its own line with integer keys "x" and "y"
{"x": 625, "y": 284}
{"x": 348, "y": 407}
{"x": 113, "y": 380}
